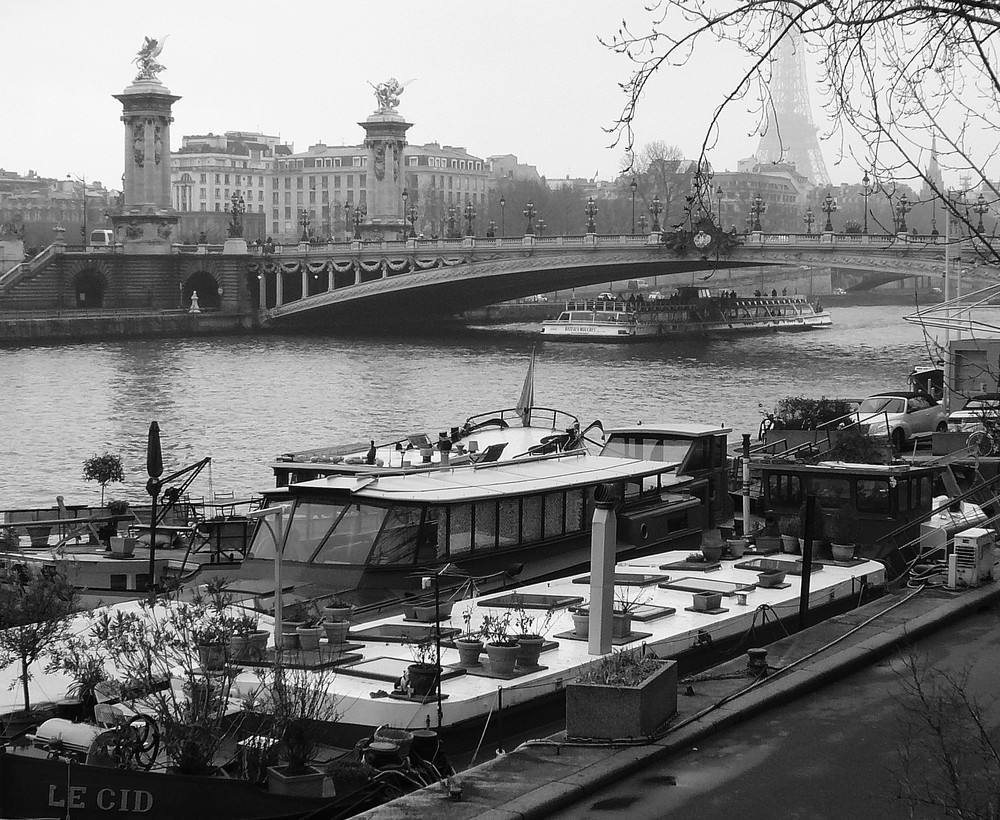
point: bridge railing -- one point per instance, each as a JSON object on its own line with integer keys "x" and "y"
{"x": 835, "y": 239}
{"x": 28, "y": 266}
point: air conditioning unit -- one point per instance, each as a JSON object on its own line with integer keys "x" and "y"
{"x": 973, "y": 558}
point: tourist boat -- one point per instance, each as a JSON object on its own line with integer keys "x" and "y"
{"x": 692, "y": 311}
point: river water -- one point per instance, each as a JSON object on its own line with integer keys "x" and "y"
{"x": 242, "y": 400}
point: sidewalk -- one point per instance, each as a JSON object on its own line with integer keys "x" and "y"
{"x": 540, "y": 777}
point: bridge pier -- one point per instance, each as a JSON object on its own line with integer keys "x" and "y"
{"x": 279, "y": 288}
{"x": 305, "y": 280}
{"x": 262, "y": 290}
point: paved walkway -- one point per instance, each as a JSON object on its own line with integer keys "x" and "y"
{"x": 542, "y": 776}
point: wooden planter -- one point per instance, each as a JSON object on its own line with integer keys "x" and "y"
{"x": 608, "y": 712}
{"x": 707, "y": 601}
{"x": 307, "y": 784}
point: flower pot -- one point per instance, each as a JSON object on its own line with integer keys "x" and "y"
{"x": 309, "y": 637}
{"x": 712, "y": 552}
{"x": 212, "y": 656}
{"x": 422, "y": 678}
{"x": 39, "y": 535}
{"x": 726, "y": 532}
{"x": 237, "y": 648}
{"x": 767, "y": 543}
{"x": 402, "y": 739}
{"x": 621, "y": 624}
{"x": 336, "y": 632}
{"x": 308, "y": 783}
{"x": 790, "y": 544}
{"x": 707, "y": 601}
{"x": 612, "y": 711}
{"x": 581, "y": 624}
{"x": 770, "y": 578}
{"x": 842, "y": 552}
{"x": 257, "y": 644}
{"x": 529, "y": 650}
{"x": 737, "y": 546}
{"x": 289, "y": 634}
{"x": 468, "y": 651}
{"x": 428, "y": 613}
{"x": 338, "y": 613}
{"x": 503, "y": 656}
{"x": 121, "y": 546}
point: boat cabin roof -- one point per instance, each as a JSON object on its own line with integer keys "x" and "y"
{"x": 530, "y": 475}
{"x": 832, "y": 468}
{"x": 670, "y": 428}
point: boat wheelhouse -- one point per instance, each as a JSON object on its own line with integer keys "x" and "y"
{"x": 372, "y": 536}
{"x": 692, "y": 311}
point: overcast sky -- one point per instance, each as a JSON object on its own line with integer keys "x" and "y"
{"x": 527, "y": 78}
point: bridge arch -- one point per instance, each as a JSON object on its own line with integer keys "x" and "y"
{"x": 89, "y": 288}
{"x": 207, "y": 288}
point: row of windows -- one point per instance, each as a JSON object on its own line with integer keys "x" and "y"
{"x": 871, "y": 495}
{"x": 324, "y": 182}
{"x": 218, "y": 207}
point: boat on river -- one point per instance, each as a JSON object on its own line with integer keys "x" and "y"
{"x": 691, "y": 311}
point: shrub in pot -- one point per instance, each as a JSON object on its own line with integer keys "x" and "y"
{"x": 337, "y": 609}
{"x": 501, "y": 647}
{"x": 469, "y": 644}
{"x": 842, "y": 529}
{"x": 791, "y": 530}
{"x": 422, "y": 675}
{"x": 531, "y": 636}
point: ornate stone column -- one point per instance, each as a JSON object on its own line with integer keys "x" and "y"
{"x": 148, "y": 221}
{"x": 385, "y": 138}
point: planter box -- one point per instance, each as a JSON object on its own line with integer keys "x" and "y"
{"x": 707, "y": 601}
{"x": 309, "y": 784}
{"x": 609, "y": 712}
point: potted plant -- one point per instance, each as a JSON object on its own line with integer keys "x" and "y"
{"x": 625, "y": 694}
{"x": 429, "y": 613}
{"x": 501, "y": 646}
{"x": 212, "y": 639}
{"x": 711, "y": 552}
{"x": 581, "y": 623}
{"x": 707, "y": 601}
{"x": 790, "y": 527}
{"x": 469, "y": 643}
{"x": 292, "y": 618}
{"x": 842, "y": 528}
{"x": 422, "y": 675}
{"x": 103, "y": 469}
{"x": 531, "y": 636}
{"x": 627, "y": 600}
{"x": 309, "y": 631}
{"x": 247, "y": 640}
{"x": 337, "y": 609}
{"x": 117, "y": 511}
{"x": 83, "y": 660}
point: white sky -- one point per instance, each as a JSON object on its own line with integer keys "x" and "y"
{"x": 527, "y": 78}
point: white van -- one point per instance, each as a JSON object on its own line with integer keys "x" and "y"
{"x": 102, "y": 239}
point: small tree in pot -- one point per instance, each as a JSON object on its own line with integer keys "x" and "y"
{"x": 501, "y": 647}
{"x": 469, "y": 643}
{"x": 104, "y": 469}
{"x": 422, "y": 675}
{"x": 531, "y": 636}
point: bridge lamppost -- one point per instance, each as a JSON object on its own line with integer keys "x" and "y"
{"x": 591, "y": 211}
{"x": 503, "y": 226}
{"x": 655, "y": 209}
{"x": 633, "y": 186}
{"x": 903, "y": 207}
{"x": 866, "y": 191}
{"x": 470, "y": 217}
{"x": 982, "y": 209}
{"x": 347, "y": 221}
{"x": 541, "y": 226}
{"x": 718, "y": 195}
{"x": 411, "y": 215}
{"x": 642, "y": 223}
{"x": 405, "y": 197}
{"x": 757, "y": 207}
{"x": 491, "y": 229}
{"x": 358, "y": 216}
{"x": 304, "y": 222}
{"x": 828, "y": 207}
{"x": 451, "y": 222}
{"x": 239, "y": 208}
{"x": 530, "y": 212}
{"x": 809, "y": 219}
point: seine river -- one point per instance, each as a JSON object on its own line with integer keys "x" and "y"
{"x": 242, "y": 400}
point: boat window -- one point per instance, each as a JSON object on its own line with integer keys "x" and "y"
{"x": 119, "y": 581}
{"x": 578, "y": 316}
{"x": 833, "y": 493}
{"x": 873, "y": 495}
{"x": 531, "y": 518}
{"x": 574, "y": 511}
{"x": 648, "y": 448}
{"x": 142, "y": 581}
{"x": 553, "y": 514}
{"x": 459, "y": 530}
{"x": 920, "y": 493}
{"x": 510, "y": 522}
{"x": 350, "y": 542}
{"x": 262, "y": 544}
{"x": 564, "y": 317}
{"x": 719, "y": 452}
{"x": 310, "y": 522}
{"x": 397, "y": 543}
{"x": 784, "y": 490}
{"x": 486, "y": 525}
{"x": 431, "y": 546}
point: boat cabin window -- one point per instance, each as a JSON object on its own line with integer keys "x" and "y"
{"x": 784, "y": 490}
{"x": 309, "y": 525}
{"x": 873, "y": 495}
{"x": 119, "y": 581}
{"x": 351, "y": 540}
{"x": 833, "y": 493}
{"x": 921, "y": 496}
{"x": 400, "y": 537}
{"x": 647, "y": 447}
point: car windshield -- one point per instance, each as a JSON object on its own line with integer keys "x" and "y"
{"x": 881, "y": 404}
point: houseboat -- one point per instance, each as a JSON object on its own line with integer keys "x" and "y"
{"x": 692, "y": 311}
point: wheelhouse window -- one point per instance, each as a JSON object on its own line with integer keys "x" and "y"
{"x": 873, "y": 495}
{"x": 833, "y": 493}
{"x": 784, "y": 490}
{"x": 351, "y": 540}
{"x": 648, "y": 448}
{"x": 309, "y": 525}
{"x": 398, "y": 541}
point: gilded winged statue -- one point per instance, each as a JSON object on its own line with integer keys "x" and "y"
{"x": 388, "y": 93}
{"x": 146, "y": 58}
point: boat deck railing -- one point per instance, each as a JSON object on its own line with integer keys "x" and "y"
{"x": 537, "y": 417}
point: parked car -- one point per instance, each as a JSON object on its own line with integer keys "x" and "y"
{"x": 984, "y": 407}
{"x": 606, "y": 297}
{"x": 902, "y": 416}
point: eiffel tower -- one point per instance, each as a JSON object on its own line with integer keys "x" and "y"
{"x": 791, "y": 134}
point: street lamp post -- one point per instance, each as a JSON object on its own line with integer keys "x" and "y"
{"x": 903, "y": 207}
{"x": 503, "y": 203}
{"x": 828, "y": 207}
{"x": 757, "y": 207}
{"x": 541, "y": 226}
{"x": 238, "y": 209}
{"x": 358, "y": 216}
{"x": 405, "y": 195}
{"x": 866, "y": 191}
{"x": 655, "y": 209}
{"x": 412, "y": 216}
{"x": 718, "y": 195}
{"x": 530, "y": 213}
{"x": 632, "y": 187}
{"x": 451, "y": 221}
{"x": 980, "y": 208}
{"x": 347, "y": 221}
{"x": 491, "y": 229}
{"x": 809, "y": 219}
{"x": 591, "y": 211}
{"x": 83, "y": 227}
{"x": 642, "y": 223}
{"x": 304, "y": 222}
{"x": 470, "y": 217}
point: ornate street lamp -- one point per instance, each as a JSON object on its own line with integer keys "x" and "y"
{"x": 633, "y": 187}
{"x": 809, "y": 219}
{"x": 470, "y": 216}
{"x": 347, "y": 221}
{"x": 757, "y": 207}
{"x": 491, "y": 229}
{"x": 530, "y": 213}
{"x": 656, "y": 208}
{"x": 358, "y": 217}
{"x": 903, "y": 207}
{"x": 541, "y": 226}
{"x": 239, "y": 207}
{"x": 412, "y": 216}
{"x": 591, "y": 211}
{"x": 718, "y": 194}
{"x": 304, "y": 222}
{"x": 405, "y": 195}
{"x": 866, "y": 190}
{"x": 503, "y": 227}
{"x": 642, "y": 223}
{"x": 980, "y": 208}
{"x": 828, "y": 207}
{"x": 451, "y": 222}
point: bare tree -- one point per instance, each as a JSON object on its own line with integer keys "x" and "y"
{"x": 659, "y": 170}
{"x": 900, "y": 77}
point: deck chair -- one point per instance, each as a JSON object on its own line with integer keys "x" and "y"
{"x": 491, "y": 453}
{"x": 418, "y": 440}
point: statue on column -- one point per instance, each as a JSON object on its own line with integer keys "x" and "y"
{"x": 387, "y": 94}
{"x": 195, "y": 308}
{"x": 146, "y": 58}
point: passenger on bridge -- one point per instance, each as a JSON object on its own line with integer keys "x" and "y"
{"x": 784, "y": 291}
{"x": 774, "y": 292}
{"x": 757, "y": 293}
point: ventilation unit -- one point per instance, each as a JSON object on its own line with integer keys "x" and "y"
{"x": 973, "y": 558}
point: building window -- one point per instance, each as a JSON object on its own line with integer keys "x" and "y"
{"x": 260, "y": 181}
{"x": 350, "y": 181}
{"x": 326, "y": 196}
{"x": 356, "y": 162}
{"x": 312, "y": 196}
{"x": 299, "y": 183}
{"x": 202, "y": 180}
{"x": 412, "y": 161}
{"x": 336, "y": 181}
{"x": 288, "y": 197}
{"x": 203, "y": 207}
{"x": 288, "y": 183}
{"x": 274, "y": 213}
{"x": 288, "y": 213}
{"x": 326, "y": 182}
{"x": 217, "y": 193}
{"x": 363, "y": 181}
{"x": 298, "y": 197}
{"x": 217, "y": 180}
{"x": 217, "y": 206}
{"x": 227, "y": 179}
{"x": 274, "y": 197}
{"x": 336, "y": 162}
{"x": 312, "y": 182}
{"x": 202, "y": 193}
